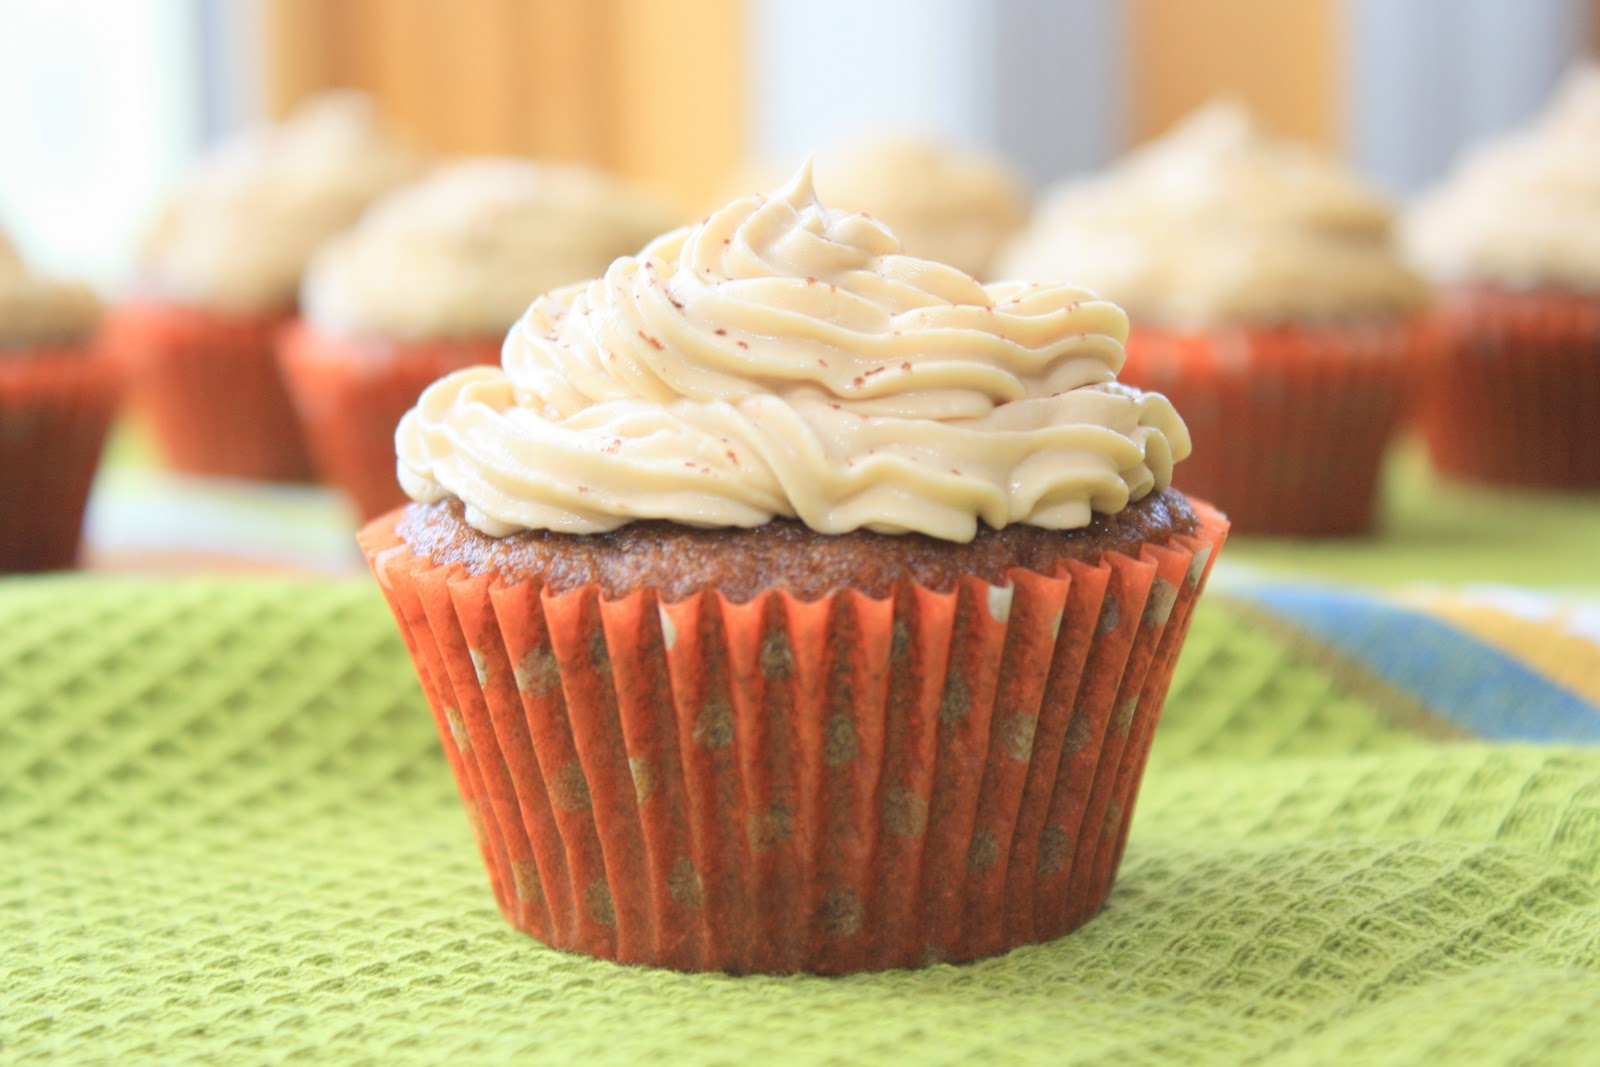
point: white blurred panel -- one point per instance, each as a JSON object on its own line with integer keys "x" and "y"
{"x": 99, "y": 111}
{"x": 823, "y": 71}
{"x": 1428, "y": 78}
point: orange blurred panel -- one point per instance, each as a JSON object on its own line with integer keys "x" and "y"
{"x": 652, "y": 88}
{"x": 1282, "y": 57}
{"x": 681, "y": 82}
{"x": 563, "y": 99}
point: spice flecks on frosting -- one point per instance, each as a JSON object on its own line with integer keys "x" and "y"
{"x": 463, "y": 252}
{"x": 785, "y": 359}
{"x": 239, "y": 231}
{"x": 1219, "y": 223}
{"x": 1522, "y": 211}
{"x": 35, "y": 309}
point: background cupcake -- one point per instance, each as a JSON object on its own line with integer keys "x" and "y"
{"x": 430, "y": 280}
{"x": 1265, "y": 299}
{"x": 57, "y": 397}
{"x": 1513, "y": 239}
{"x": 218, "y": 278}
{"x": 786, "y": 602}
{"x": 944, "y": 203}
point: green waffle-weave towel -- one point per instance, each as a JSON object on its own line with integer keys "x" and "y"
{"x": 227, "y": 836}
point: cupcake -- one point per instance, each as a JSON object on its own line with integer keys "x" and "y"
{"x": 944, "y": 203}
{"x": 1512, "y": 239}
{"x": 1266, "y": 301}
{"x": 218, "y": 279}
{"x": 429, "y": 281}
{"x": 789, "y": 603}
{"x": 57, "y": 397}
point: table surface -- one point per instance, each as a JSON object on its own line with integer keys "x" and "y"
{"x": 1368, "y": 831}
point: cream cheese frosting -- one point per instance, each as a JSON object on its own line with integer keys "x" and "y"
{"x": 462, "y": 252}
{"x": 785, "y": 359}
{"x": 239, "y": 231}
{"x": 1522, "y": 211}
{"x": 944, "y": 203}
{"x": 1218, "y": 223}
{"x": 35, "y": 309}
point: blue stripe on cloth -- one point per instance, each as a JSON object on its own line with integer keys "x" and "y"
{"x": 1452, "y": 673}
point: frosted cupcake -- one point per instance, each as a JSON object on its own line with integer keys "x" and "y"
{"x": 1267, "y": 301}
{"x": 1513, "y": 239}
{"x": 789, "y": 603}
{"x": 219, "y": 275}
{"x": 57, "y": 397}
{"x": 429, "y": 281}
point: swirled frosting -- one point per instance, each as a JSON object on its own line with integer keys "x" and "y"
{"x": 1522, "y": 211}
{"x": 38, "y": 310}
{"x": 943, "y": 203}
{"x": 1218, "y": 223}
{"x": 237, "y": 234}
{"x": 463, "y": 252}
{"x": 784, "y": 359}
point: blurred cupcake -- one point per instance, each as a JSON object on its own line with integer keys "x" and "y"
{"x": 1266, "y": 300}
{"x": 1513, "y": 240}
{"x": 429, "y": 281}
{"x": 789, "y": 603}
{"x": 943, "y": 203}
{"x": 219, "y": 275}
{"x": 57, "y": 397}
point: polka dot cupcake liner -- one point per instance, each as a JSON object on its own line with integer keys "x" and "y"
{"x": 349, "y": 394}
{"x": 56, "y": 404}
{"x": 208, "y": 384}
{"x": 1517, "y": 397}
{"x": 777, "y": 786}
{"x": 1289, "y": 423}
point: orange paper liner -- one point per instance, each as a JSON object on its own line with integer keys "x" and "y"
{"x": 836, "y": 785}
{"x": 208, "y": 383}
{"x": 1518, "y": 397}
{"x": 350, "y": 392}
{"x": 1289, "y": 423}
{"x": 56, "y": 404}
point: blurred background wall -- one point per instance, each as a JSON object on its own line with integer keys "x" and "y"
{"x": 103, "y": 103}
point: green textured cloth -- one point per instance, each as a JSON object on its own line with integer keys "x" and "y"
{"x": 227, "y": 835}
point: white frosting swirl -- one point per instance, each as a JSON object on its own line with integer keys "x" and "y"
{"x": 943, "y": 203}
{"x": 461, "y": 253}
{"x": 1218, "y": 223}
{"x": 784, "y": 359}
{"x": 1523, "y": 211}
{"x": 238, "y": 233}
{"x": 35, "y": 309}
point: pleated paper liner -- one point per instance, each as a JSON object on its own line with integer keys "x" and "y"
{"x": 835, "y": 785}
{"x": 1289, "y": 423}
{"x": 350, "y": 392}
{"x": 208, "y": 383}
{"x": 1517, "y": 400}
{"x": 56, "y": 404}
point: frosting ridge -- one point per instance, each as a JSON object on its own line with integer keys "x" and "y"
{"x": 785, "y": 359}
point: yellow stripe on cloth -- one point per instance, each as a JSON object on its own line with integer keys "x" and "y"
{"x": 1559, "y": 639}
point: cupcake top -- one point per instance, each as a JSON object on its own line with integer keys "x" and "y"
{"x": 464, "y": 251}
{"x": 944, "y": 203}
{"x": 239, "y": 231}
{"x": 36, "y": 310}
{"x": 1218, "y": 223}
{"x": 785, "y": 359}
{"x": 1523, "y": 211}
